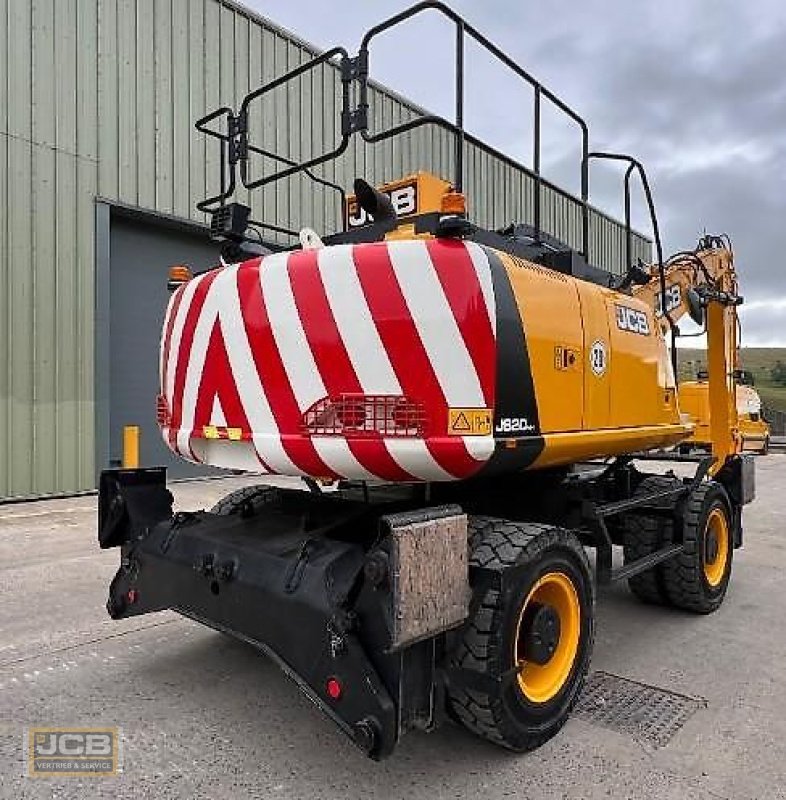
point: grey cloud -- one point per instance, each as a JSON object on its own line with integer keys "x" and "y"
{"x": 763, "y": 324}
{"x": 695, "y": 90}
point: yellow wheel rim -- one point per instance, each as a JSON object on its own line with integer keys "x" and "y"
{"x": 540, "y": 682}
{"x": 716, "y": 547}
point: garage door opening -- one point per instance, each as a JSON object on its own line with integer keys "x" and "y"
{"x": 138, "y": 249}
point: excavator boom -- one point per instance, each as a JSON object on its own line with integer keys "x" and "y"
{"x": 703, "y": 284}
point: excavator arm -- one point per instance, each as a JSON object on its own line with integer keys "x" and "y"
{"x": 703, "y": 284}
{"x": 691, "y": 279}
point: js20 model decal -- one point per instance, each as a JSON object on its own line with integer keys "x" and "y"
{"x": 514, "y": 425}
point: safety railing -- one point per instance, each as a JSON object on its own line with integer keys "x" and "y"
{"x": 238, "y": 145}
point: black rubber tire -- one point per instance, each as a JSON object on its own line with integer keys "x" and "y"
{"x": 485, "y": 644}
{"x": 644, "y": 534}
{"x": 684, "y": 580}
{"x": 249, "y": 498}
{"x": 765, "y": 448}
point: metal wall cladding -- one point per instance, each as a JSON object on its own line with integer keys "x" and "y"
{"x": 98, "y": 99}
{"x": 48, "y": 179}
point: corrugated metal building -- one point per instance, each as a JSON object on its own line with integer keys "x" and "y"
{"x": 97, "y": 103}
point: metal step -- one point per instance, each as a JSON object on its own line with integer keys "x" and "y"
{"x": 631, "y": 503}
{"x": 688, "y": 458}
{"x": 648, "y": 562}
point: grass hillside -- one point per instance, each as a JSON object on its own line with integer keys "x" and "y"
{"x": 757, "y": 360}
{"x": 773, "y": 397}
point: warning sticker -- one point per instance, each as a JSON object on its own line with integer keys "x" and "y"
{"x": 217, "y": 432}
{"x": 469, "y": 421}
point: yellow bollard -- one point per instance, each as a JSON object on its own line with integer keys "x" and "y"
{"x": 130, "y": 447}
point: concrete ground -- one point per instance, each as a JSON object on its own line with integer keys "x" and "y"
{"x": 206, "y": 716}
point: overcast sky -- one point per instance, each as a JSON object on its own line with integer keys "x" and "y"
{"x": 696, "y": 90}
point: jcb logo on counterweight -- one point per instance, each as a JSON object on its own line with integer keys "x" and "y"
{"x": 404, "y": 199}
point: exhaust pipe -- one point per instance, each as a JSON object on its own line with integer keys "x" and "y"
{"x": 375, "y": 203}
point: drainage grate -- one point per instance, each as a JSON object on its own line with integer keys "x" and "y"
{"x": 647, "y": 713}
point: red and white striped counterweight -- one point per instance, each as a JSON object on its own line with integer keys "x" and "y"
{"x": 341, "y": 362}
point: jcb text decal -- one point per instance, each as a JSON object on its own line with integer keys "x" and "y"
{"x": 404, "y": 199}
{"x": 673, "y": 299}
{"x": 633, "y": 320}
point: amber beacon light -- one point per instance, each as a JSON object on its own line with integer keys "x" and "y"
{"x": 179, "y": 274}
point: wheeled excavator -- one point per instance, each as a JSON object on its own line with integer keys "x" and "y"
{"x": 470, "y": 411}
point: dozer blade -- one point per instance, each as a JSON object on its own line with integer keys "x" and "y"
{"x": 271, "y": 580}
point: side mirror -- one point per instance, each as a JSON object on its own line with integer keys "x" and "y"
{"x": 695, "y": 306}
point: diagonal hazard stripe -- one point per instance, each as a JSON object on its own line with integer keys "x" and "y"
{"x": 217, "y": 388}
{"x": 458, "y": 276}
{"x": 166, "y": 340}
{"x": 298, "y": 360}
{"x": 173, "y": 345}
{"x": 330, "y": 356}
{"x": 273, "y": 375}
{"x": 173, "y": 355}
{"x": 402, "y": 338}
{"x": 221, "y": 306}
{"x": 179, "y": 403}
{"x": 436, "y": 326}
{"x": 367, "y": 353}
{"x": 480, "y": 259}
{"x": 267, "y": 438}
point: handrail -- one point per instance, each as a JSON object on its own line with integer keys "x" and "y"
{"x": 294, "y": 167}
{"x": 355, "y": 92}
{"x": 235, "y": 144}
{"x": 635, "y": 165}
{"x": 227, "y": 189}
{"x": 464, "y": 29}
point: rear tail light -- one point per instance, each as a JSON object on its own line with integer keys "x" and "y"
{"x": 333, "y": 688}
{"x": 162, "y": 412}
{"x": 365, "y": 415}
